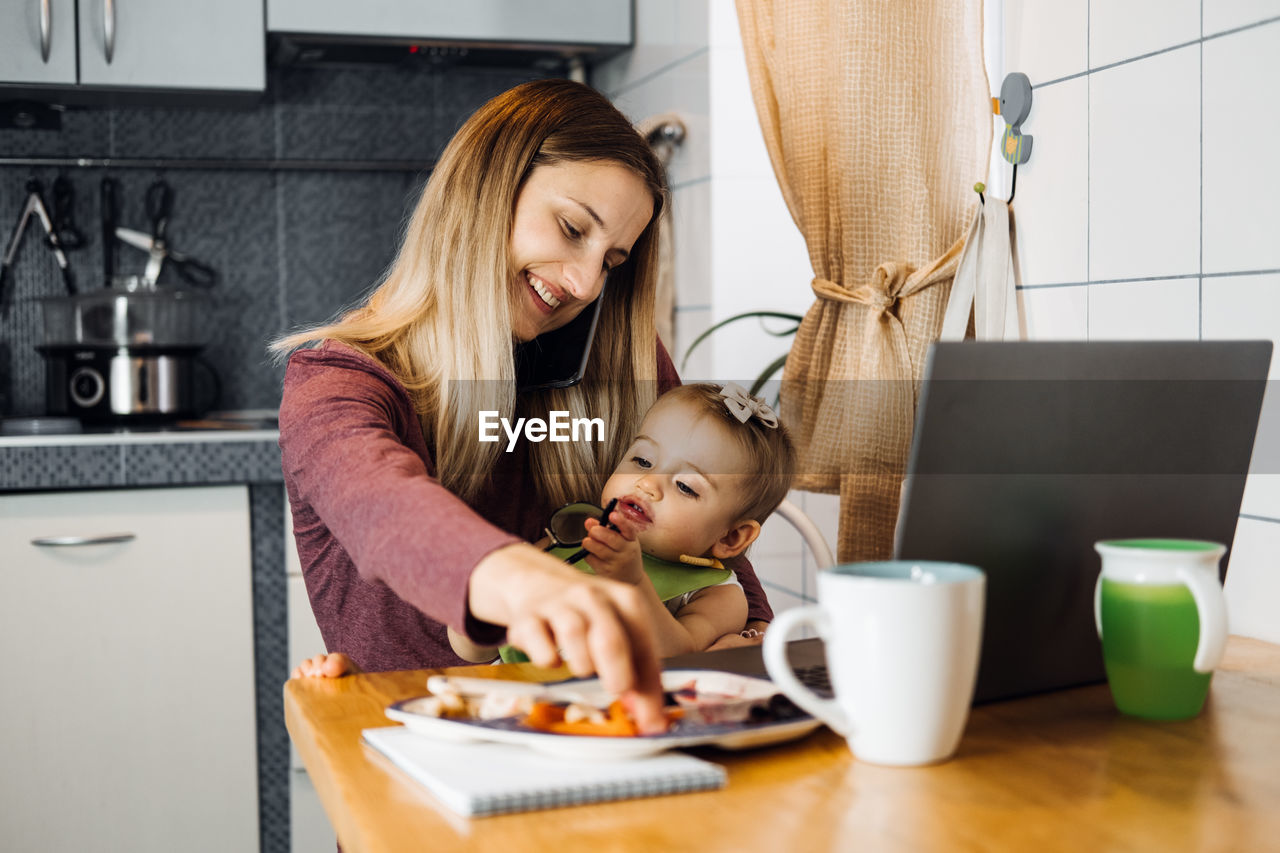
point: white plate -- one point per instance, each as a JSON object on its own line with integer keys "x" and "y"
{"x": 743, "y": 735}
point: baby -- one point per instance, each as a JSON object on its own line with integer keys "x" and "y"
{"x": 710, "y": 464}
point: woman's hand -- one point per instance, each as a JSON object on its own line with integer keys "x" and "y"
{"x": 333, "y": 665}
{"x": 555, "y": 613}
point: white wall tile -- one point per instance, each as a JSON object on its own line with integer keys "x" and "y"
{"x": 783, "y": 599}
{"x": 689, "y": 324}
{"x": 759, "y": 262}
{"x": 780, "y": 575}
{"x": 1241, "y": 170}
{"x": 759, "y": 255}
{"x": 1051, "y": 203}
{"x": 1222, "y": 15}
{"x": 1045, "y": 41}
{"x": 691, "y": 239}
{"x": 742, "y": 351}
{"x": 779, "y": 539}
{"x": 1055, "y": 313}
{"x": 1123, "y": 29}
{"x": 1253, "y": 581}
{"x": 1144, "y": 158}
{"x": 666, "y": 31}
{"x": 824, "y": 509}
{"x": 1262, "y": 493}
{"x": 1248, "y": 308}
{"x": 682, "y": 89}
{"x": 737, "y": 143}
{"x": 1145, "y": 310}
{"x": 722, "y": 24}
{"x": 780, "y": 570}
{"x": 1245, "y": 307}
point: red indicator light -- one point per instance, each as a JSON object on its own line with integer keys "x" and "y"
{"x": 413, "y": 48}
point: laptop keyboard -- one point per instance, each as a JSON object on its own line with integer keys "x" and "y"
{"x": 815, "y": 678}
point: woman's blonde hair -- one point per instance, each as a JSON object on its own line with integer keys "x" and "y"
{"x": 441, "y": 318}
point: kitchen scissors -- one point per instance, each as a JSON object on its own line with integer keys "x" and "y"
{"x": 159, "y": 206}
{"x": 35, "y": 206}
{"x": 191, "y": 270}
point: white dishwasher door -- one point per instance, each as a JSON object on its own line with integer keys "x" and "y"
{"x": 126, "y": 623}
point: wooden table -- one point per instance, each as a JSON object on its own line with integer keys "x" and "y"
{"x": 1060, "y": 771}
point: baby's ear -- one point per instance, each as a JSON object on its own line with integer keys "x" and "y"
{"x": 736, "y": 540}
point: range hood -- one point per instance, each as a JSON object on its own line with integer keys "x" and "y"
{"x": 546, "y": 33}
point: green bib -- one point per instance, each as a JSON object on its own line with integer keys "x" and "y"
{"x": 669, "y": 579}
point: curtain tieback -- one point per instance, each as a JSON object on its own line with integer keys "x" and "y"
{"x": 865, "y": 294}
{"x": 892, "y": 281}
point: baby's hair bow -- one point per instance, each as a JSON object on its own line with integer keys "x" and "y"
{"x": 743, "y": 405}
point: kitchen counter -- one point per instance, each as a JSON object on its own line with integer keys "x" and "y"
{"x": 161, "y": 456}
{"x": 195, "y": 455}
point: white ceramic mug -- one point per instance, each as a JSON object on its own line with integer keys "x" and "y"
{"x": 902, "y": 640}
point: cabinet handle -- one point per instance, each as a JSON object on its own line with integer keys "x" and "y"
{"x": 109, "y": 28}
{"x": 46, "y": 30}
{"x": 76, "y": 541}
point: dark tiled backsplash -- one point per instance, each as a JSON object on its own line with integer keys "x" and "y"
{"x": 290, "y": 247}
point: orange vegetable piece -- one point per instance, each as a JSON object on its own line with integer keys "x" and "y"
{"x": 550, "y": 718}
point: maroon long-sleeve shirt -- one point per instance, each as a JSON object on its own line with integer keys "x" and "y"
{"x": 386, "y": 550}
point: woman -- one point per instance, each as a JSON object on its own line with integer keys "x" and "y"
{"x": 405, "y": 521}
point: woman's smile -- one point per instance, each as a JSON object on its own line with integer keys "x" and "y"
{"x": 574, "y": 221}
{"x": 543, "y": 291}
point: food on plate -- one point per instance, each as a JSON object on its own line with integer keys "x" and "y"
{"x": 575, "y": 719}
{"x": 580, "y": 708}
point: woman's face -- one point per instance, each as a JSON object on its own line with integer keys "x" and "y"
{"x": 574, "y": 221}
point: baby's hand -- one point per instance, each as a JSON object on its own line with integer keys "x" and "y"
{"x": 333, "y": 665}
{"x": 614, "y": 553}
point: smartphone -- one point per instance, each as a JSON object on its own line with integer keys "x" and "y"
{"x": 558, "y": 359}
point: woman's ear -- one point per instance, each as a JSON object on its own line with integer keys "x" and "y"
{"x": 736, "y": 540}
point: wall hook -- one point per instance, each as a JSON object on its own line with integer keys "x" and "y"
{"x": 1013, "y": 105}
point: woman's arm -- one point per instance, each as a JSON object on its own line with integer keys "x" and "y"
{"x": 758, "y": 609}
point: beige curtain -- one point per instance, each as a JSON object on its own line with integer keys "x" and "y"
{"x": 877, "y": 119}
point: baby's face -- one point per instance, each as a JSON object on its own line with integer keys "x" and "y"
{"x": 679, "y": 482}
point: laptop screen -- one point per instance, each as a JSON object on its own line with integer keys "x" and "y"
{"x": 1026, "y": 453}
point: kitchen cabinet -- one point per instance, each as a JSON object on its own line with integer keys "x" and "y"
{"x": 133, "y": 44}
{"x": 303, "y": 632}
{"x": 142, "y": 734}
{"x": 492, "y": 23}
{"x": 309, "y": 828}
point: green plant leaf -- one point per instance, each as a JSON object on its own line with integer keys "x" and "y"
{"x": 768, "y": 373}
{"x": 760, "y": 315}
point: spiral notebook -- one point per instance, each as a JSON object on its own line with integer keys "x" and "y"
{"x": 480, "y": 779}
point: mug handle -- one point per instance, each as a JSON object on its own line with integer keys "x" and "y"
{"x": 779, "y": 666}
{"x": 1212, "y": 607}
{"x": 1097, "y": 605}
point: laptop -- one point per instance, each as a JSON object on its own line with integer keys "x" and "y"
{"x": 1025, "y": 453}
